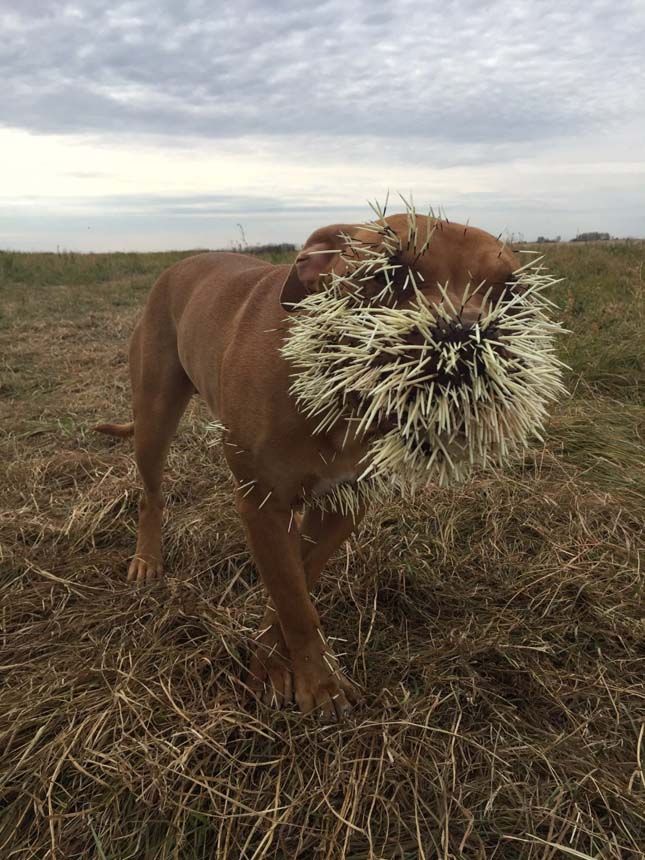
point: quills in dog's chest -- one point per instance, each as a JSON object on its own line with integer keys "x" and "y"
{"x": 342, "y": 495}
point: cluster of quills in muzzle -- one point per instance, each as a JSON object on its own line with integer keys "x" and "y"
{"x": 433, "y": 396}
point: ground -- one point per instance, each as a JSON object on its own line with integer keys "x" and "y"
{"x": 497, "y": 629}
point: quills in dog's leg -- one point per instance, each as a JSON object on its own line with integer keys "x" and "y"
{"x": 251, "y": 486}
{"x": 290, "y": 521}
{"x": 261, "y": 633}
{"x": 265, "y": 500}
{"x": 330, "y": 665}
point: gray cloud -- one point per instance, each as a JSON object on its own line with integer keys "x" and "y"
{"x": 508, "y": 111}
{"x": 490, "y": 74}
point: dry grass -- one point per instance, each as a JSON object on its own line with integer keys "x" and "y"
{"x": 497, "y": 629}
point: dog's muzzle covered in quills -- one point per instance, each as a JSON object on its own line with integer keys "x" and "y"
{"x": 435, "y": 389}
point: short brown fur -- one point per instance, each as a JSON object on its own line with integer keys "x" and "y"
{"x": 213, "y": 325}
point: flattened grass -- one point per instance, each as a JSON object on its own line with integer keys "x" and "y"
{"x": 497, "y": 629}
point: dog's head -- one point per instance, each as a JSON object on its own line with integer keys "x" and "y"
{"x": 394, "y": 257}
{"x": 427, "y": 337}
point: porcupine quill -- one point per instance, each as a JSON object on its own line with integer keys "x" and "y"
{"x": 457, "y": 397}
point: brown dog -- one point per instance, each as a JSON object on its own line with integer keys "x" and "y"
{"x": 214, "y": 325}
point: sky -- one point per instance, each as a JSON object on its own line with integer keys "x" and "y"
{"x": 145, "y": 125}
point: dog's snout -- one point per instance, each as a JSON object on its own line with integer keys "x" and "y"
{"x": 469, "y": 316}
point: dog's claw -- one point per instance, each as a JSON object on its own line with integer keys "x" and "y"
{"x": 330, "y": 697}
{"x": 144, "y": 571}
{"x": 277, "y": 690}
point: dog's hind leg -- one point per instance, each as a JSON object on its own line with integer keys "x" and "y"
{"x": 161, "y": 391}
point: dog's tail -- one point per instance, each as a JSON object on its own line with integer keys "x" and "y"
{"x": 121, "y": 431}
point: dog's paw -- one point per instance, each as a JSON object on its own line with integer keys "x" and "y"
{"x": 277, "y": 690}
{"x": 322, "y": 690}
{"x": 143, "y": 571}
{"x": 269, "y": 677}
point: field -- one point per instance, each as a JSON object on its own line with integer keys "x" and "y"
{"x": 497, "y": 629}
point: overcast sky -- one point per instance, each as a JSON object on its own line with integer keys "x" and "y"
{"x": 153, "y": 125}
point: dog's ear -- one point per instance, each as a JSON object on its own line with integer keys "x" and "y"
{"x": 311, "y": 263}
{"x": 315, "y": 260}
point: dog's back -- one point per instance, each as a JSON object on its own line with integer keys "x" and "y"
{"x": 220, "y": 313}
{"x": 212, "y": 278}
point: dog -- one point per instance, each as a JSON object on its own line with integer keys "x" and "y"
{"x": 214, "y": 325}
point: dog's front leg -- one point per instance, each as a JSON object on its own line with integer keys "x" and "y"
{"x": 320, "y": 536}
{"x": 318, "y": 683}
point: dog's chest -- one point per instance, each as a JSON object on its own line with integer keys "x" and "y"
{"x": 334, "y": 482}
{"x": 325, "y": 485}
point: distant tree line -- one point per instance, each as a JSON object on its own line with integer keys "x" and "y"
{"x": 591, "y": 237}
{"x": 581, "y": 237}
{"x": 271, "y": 248}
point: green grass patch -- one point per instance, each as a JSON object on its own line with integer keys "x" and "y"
{"x": 602, "y": 298}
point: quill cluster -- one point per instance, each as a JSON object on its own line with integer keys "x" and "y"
{"x": 434, "y": 396}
